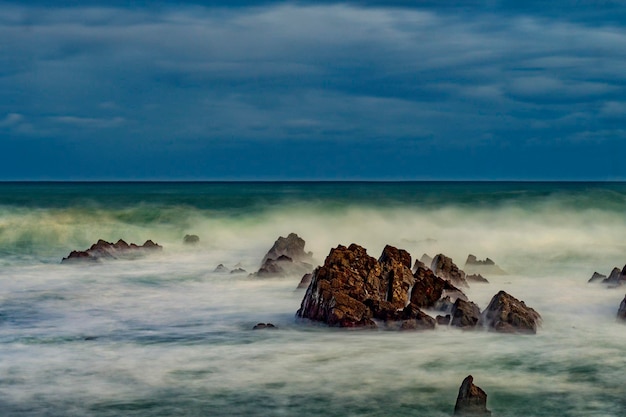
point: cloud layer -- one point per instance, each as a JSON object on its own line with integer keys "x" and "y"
{"x": 305, "y": 81}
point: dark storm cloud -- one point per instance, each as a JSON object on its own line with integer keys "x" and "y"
{"x": 204, "y": 76}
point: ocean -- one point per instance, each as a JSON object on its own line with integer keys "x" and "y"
{"x": 167, "y": 335}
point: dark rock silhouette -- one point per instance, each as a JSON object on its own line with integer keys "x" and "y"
{"x": 471, "y": 401}
{"x": 238, "y": 271}
{"x": 220, "y": 268}
{"x": 352, "y": 289}
{"x": 261, "y": 326}
{"x": 597, "y": 277}
{"x": 616, "y": 278}
{"x": 191, "y": 239}
{"x": 507, "y": 314}
{"x": 443, "y": 267}
{"x": 286, "y": 257}
{"x": 477, "y": 278}
{"x": 621, "y": 312}
{"x": 487, "y": 266}
{"x": 106, "y": 250}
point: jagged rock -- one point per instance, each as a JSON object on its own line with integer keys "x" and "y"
{"x": 487, "y": 266}
{"x": 286, "y": 257}
{"x": 471, "y": 401}
{"x": 426, "y": 260}
{"x": 261, "y": 326}
{"x": 220, "y": 268}
{"x": 446, "y": 269}
{"x": 429, "y": 289}
{"x": 417, "y": 265}
{"x": 238, "y": 271}
{"x": 507, "y": 314}
{"x": 597, "y": 277}
{"x": 465, "y": 314}
{"x": 191, "y": 239}
{"x": 305, "y": 281}
{"x": 106, "y": 250}
{"x": 616, "y": 278}
{"x": 352, "y": 289}
{"x": 477, "y": 278}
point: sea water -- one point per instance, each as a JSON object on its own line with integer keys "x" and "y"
{"x": 166, "y": 335}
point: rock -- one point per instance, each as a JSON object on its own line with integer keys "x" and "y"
{"x": 417, "y": 265}
{"x": 238, "y": 271}
{"x": 220, "y": 268}
{"x": 443, "y": 320}
{"x": 446, "y": 269}
{"x": 477, "y": 278}
{"x": 352, "y": 289}
{"x": 507, "y": 314}
{"x": 487, "y": 266}
{"x": 471, "y": 401}
{"x": 596, "y": 277}
{"x": 305, "y": 281}
{"x": 426, "y": 260}
{"x": 465, "y": 314}
{"x": 106, "y": 250}
{"x": 286, "y": 257}
{"x": 191, "y": 239}
{"x": 260, "y": 326}
{"x": 429, "y": 289}
{"x": 621, "y": 312}
{"x": 616, "y": 278}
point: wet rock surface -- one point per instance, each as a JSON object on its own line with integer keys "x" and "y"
{"x": 107, "y": 250}
{"x": 472, "y": 400}
{"x": 286, "y": 257}
{"x": 507, "y": 314}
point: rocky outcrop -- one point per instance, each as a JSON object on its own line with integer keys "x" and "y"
{"x": 353, "y": 289}
{"x": 471, "y": 401}
{"x": 597, "y": 277}
{"x": 507, "y": 314}
{"x": 429, "y": 290}
{"x": 465, "y": 314}
{"x": 446, "y": 269}
{"x": 286, "y": 257}
{"x": 616, "y": 278}
{"x": 487, "y": 266}
{"x": 476, "y": 278}
{"x": 621, "y": 312}
{"x": 106, "y": 250}
{"x": 191, "y": 240}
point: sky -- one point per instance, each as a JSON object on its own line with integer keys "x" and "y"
{"x": 325, "y": 90}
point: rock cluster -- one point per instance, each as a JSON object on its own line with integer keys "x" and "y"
{"x": 616, "y": 278}
{"x": 286, "y": 257}
{"x": 106, "y": 250}
{"x": 471, "y": 401}
{"x": 353, "y": 289}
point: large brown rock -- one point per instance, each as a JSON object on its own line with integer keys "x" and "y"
{"x": 352, "y": 289}
{"x": 471, "y": 401}
{"x": 465, "y": 314}
{"x": 445, "y": 268}
{"x": 286, "y": 257}
{"x": 507, "y": 314}
{"x": 107, "y": 250}
{"x": 428, "y": 289}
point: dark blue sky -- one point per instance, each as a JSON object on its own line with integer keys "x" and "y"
{"x": 312, "y": 90}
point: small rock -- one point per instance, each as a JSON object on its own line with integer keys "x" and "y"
{"x": 597, "y": 277}
{"x": 260, "y": 326}
{"x": 220, "y": 268}
{"x": 446, "y": 269}
{"x": 487, "y": 266}
{"x": 471, "y": 401}
{"x": 465, "y": 314}
{"x": 191, "y": 239}
{"x": 507, "y": 314}
{"x": 443, "y": 320}
{"x": 238, "y": 271}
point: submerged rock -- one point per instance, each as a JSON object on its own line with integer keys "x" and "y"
{"x": 487, "y": 266}
{"x": 352, "y": 289}
{"x": 446, "y": 269}
{"x": 191, "y": 239}
{"x": 261, "y": 326}
{"x": 471, "y": 401}
{"x": 507, "y": 314}
{"x": 286, "y": 257}
{"x": 106, "y": 250}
